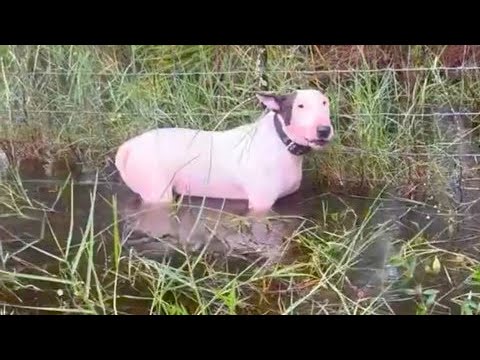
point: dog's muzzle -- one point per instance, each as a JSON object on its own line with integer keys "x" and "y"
{"x": 323, "y": 135}
{"x": 323, "y": 132}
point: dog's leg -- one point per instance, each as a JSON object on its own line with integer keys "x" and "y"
{"x": 144, "y": 176}
{"x": 158, "y": 197}
{"x": 259, "y": 209}
{"x": 259, "y": 205}
{"x": 158, "y": 192}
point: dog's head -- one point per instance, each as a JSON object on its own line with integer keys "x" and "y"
{"x": 305, "y": 115}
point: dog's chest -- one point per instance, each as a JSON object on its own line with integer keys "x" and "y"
{"x": 289, "y": 177}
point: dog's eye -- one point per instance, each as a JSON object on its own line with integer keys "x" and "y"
{"x": 324, "y": 103}
{"x": 300, "y": 106}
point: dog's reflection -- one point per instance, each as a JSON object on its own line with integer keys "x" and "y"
{"x": 211, "y": 226}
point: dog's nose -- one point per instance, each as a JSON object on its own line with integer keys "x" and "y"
{"x": 323, "y": 132}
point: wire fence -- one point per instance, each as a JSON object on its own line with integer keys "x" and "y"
{"x": 236, "y": 113}
{"x": 246, "y": 72}
{"x": 369, "y": 106}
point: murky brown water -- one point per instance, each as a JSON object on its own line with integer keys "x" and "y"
{"x": 193, "y": 224}
{"x": 221, "y": 229}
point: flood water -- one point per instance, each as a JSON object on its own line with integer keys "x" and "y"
{"x": 221, "y": 229}
{"x": 33, "y": 233}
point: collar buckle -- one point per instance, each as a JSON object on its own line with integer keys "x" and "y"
{"x": 291, "y": 146}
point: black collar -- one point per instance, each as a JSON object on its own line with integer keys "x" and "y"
{"x": 292, "y": 147}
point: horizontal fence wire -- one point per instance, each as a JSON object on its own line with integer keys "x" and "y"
{"x": 158, "y": 113}
{"x": 239, "y": 72}
{"x": 227, "y": 113}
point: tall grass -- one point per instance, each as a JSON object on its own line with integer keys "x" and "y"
{"x": 95, "y": 97}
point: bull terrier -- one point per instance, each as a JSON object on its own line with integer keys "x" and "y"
{"x": 259, "y": 162}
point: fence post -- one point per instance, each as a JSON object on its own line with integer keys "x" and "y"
{"x": 261, "y": 68}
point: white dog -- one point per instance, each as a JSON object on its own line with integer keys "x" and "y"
{"x": 259, "y": 162}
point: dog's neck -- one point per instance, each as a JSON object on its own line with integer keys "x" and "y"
{"x": 292, "y": 147}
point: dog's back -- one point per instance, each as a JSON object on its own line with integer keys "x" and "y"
{"x": 191, "y": 161}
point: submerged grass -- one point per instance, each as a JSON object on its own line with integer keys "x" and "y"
{"x": 88, "y": 272}
{"x": 88, "y": 99}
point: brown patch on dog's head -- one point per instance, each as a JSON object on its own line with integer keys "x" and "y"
{"x": 305, "y": 115}
{"x": 281, "y": 104}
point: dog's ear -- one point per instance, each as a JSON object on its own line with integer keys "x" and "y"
{"x": 271, "y": 101}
